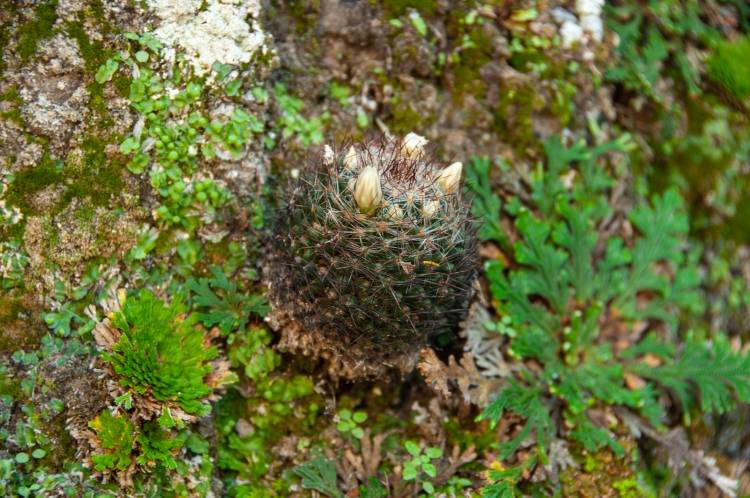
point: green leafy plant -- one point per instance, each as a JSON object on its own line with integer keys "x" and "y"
{"x": 349, "y": 423}
{"x": 319, "y": 474}
{"x": 568, "y": 287}
{"x": 161, "y": 352}
{"x": 172, "y": 134}
{"x": 158, "y": 447}
{"x": 503, "y": 481}
{"x": 292, "y": 123}
{"x": 224, "y": 306}
{"x": 420, "y": 465}
{"x": 653, "y": 40}
{"x": 117, "y": 439}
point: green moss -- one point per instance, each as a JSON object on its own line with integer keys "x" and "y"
{"x": 404, "y": 118}
{"x": 396, "y": 8}
{"x": 11, "y": 95}
{"x": 96, "y": 176}
{"x": 304, "y": 13}
{"x": 728, "y": 66}
{"x": 94, "y": 53}
{"x": 32, "y": 180}
{"x": 466, "y": 65}
{"x": 37, "y": 29}
{"x": 513, "y": 115}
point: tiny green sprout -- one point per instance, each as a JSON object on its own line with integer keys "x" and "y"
{"x": 106, "y": 71}
{"x": 418, "y": 23}
{"x": 421, "y": 463}
{"x": 125, "y": 400}
{"x": 141, "y": 56}
{"x": 349, "y": 423}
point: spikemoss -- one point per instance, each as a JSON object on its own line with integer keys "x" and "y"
{"x": 116, "y": 435}
{"x": 161, "y": 352}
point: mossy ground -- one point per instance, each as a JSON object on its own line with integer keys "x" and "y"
{"x": 478, "y": 78}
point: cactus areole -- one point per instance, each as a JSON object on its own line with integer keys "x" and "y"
{"x": 376, "y": 249}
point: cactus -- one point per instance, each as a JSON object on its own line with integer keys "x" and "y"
{"x": 377, "y": 250}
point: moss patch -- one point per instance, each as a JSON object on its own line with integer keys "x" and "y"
{"x": 396, "y": 8}
{"x": 37, "y": 29}
{"x": 32, "y": 180}
{"x": 19, "y": 328}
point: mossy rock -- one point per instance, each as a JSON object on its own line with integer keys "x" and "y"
{"x": 78, "y": 233}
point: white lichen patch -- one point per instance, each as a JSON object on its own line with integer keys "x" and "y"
{"x": 587, "y": 26}
{"x": 590, "y": 15}
{"x": 224, "y": 31}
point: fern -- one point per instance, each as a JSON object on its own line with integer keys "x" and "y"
{"x": 486, "y": 205}
{"x": 503, "y": 481}
{"x": 706, "y": 372}
{"x": 527, "y": 402}
{"x": 319, "y": 474}
{"x": 566, "y": 281}
{"x": 652, "y": 44}
{"x": 222, "y": 305}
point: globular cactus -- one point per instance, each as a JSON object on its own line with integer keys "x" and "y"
{"x": 376, "y": 250}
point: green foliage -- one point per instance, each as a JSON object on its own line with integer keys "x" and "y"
{"x": 373, "y": 489}
{"x": 162, "y": 352}
{"x": 568, "y": 283}
{"x": 292, "y": 123}
{"x": 653, "y": 40}
{"x": 349, "y": 423}
{"x": 319, "y": 474}
{"x": 503, "y": 481}
{"x": 728, "y": 66}
{"x": 527, "y": 403}
{"x": 420, "y": 465}
{"x": 158, "y": 447}
{"x": 708, "y": 374}
{"x": 224, "y": 305}
{"x": 279, "y": 400}
{"x": 168, "y": 145}
{"x": 117, "y": 438}
{"x": 486, "y": 206}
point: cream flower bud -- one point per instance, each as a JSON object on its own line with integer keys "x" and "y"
{"x": 394, "y": 212}
{"x": 328, "y": 155}
{"x": 429, "y": 209}
{"x": 367, "y": 191}
{"x": 351, "y": 160}
{"x": 413, "y": 145}
{"x": 449, "y": 178}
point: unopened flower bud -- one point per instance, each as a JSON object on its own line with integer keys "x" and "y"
{"x": 429, "y": 209}
{"x": 449, "y": 178}
{"x": 394, "y": 213}
{"x": 328, "y": 155}
{"x": 351, "y": 160}
{"x": 413, "y": 145}
{"x": 367, "y": 191}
